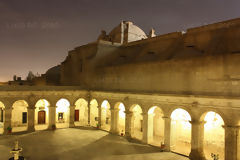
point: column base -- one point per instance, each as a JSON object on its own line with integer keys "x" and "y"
{"x": 31, "y": 129}
{"x": 71, "y": 125}
{"x": 127, "y": 135}
{"x": 113, "y": 132}
{"x": 6, "y": 132}
{"x": 196, "y": 155}
{"x": 52, "y": 127}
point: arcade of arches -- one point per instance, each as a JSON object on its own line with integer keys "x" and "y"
{"x": 194, "y": 133}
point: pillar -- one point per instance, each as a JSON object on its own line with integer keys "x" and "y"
{"x": 231, "y": 142}
{"x": 145, "y": 128}
{"x": 167, "y": 132}
{"x": 150, "y": 127}
{"x": 31, "y": 118}
{"x": 52, "y": 117}
{"x": 99, "y": 117}
{"x": 72, "y": 116}
{"x": 197, "y": 139}
{"x": 103, "y": 118}
{"x": 128, "y": 123}
{"x": 114, "y": 121}
{"x": 89, "y": 112}
{"x": 7, "y": 120}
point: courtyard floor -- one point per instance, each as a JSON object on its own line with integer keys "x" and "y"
{"x": 77, "y": 144}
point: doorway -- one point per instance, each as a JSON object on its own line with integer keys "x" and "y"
{"x": 76, "y": 118}
{"x": 41, "y": 117}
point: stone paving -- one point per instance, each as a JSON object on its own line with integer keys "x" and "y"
{"x": 76, "y": 144}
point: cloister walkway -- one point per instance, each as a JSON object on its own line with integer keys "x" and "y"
{"x": 75, "y": 144}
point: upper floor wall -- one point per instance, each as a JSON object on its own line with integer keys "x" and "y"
{"x": 203, "y": 60}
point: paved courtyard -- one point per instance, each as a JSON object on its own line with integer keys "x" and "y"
{"x": 76, "y": 144}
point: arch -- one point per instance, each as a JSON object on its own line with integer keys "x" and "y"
{"x": 81, "y": 112}
{"x": 42, "y": 114}
{"x": 120, "y": 118}
{"x": 19, "y": 119}
{"x": 155, "y": 126}
{"x": 105, "y": 115}
{"x": 214, "y": 134}
{"x": 180, "y": 138}
{"x": 94, "y": 113}
{"x": 2, "y": 116}
{"x": 137, "y": 122}
{"x": 62, "y": 113}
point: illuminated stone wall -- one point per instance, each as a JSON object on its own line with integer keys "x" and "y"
{"x": 202, "y": 61}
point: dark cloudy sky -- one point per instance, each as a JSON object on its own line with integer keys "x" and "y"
{"x": 36, "y": 34}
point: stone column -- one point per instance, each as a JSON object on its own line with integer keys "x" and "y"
{"x": 99, "y": 116}
{"x": 167, "y": 133}
{"x": 128, "y": 124}
{"x": 31, "y": 119}
{"x": 145, "y": 128}
{"x": 150, "y": 127}
{"x": 103, "y": 119}
{"x": 197, "y": 141}
{"x": 52, "y": 117}
{"x": 231, "y": 142}
{"x": 89, "y": 112}
{"x": 114, "y": 121}
{"x": 7, "y": 119}
{"x": 72, "y": 116}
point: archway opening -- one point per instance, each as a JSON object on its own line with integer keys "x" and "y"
{"x": 137, "y": 122}
{"x": 214, "y": 135}
{"x": 105, "y": 116}
{"x": 180, "y": 132}
{"x": 155, "y": 126}
{"x": 81, "y": 112}
{"x": 2, "y": 116}
{"x": 94, "y": 113}
{"x": 62, "y": 113}
{"x": 41, "y": 114}
{"x": 19, "y": 119}
{"x": 120, "y": 118}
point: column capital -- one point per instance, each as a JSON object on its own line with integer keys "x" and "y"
{"x": 114, "y": 109}
{"x": 31, "y": 107}
{"x": 165, "y": 117}
{"x": 128, "y": 112}
{"x": 52, "y": 106}
{"x": 72, "y": 106}
{"x": 196, "y": 122}
{"x": 229, "y": 127}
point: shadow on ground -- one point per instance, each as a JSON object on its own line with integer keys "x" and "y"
{"x": 74, "y": 144}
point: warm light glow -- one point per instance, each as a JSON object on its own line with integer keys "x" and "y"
{"x": 81, "y": 102}
{"x": 62, "y": 105}
{"x": 151, "y": 110}
{"x": 2, "y": 105}
{"x": 121, "y": 110}
{"x": 42, "y": 103}
{"x": 105, "y": 104}
{"x": 182, "y": 116}
{"x": 213, "y": 121}
{"x": 137, "y": 109}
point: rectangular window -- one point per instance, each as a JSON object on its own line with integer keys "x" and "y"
{"x": 107, "y": 120}
{"x": 60, "y": 116}
{"x": 1, "y": 115}
{"x": 24, "y": 117}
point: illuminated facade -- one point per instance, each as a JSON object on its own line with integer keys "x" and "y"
{"x": 178, "y": 91}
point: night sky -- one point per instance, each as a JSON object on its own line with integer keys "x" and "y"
{"x": 37, "y": 34}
